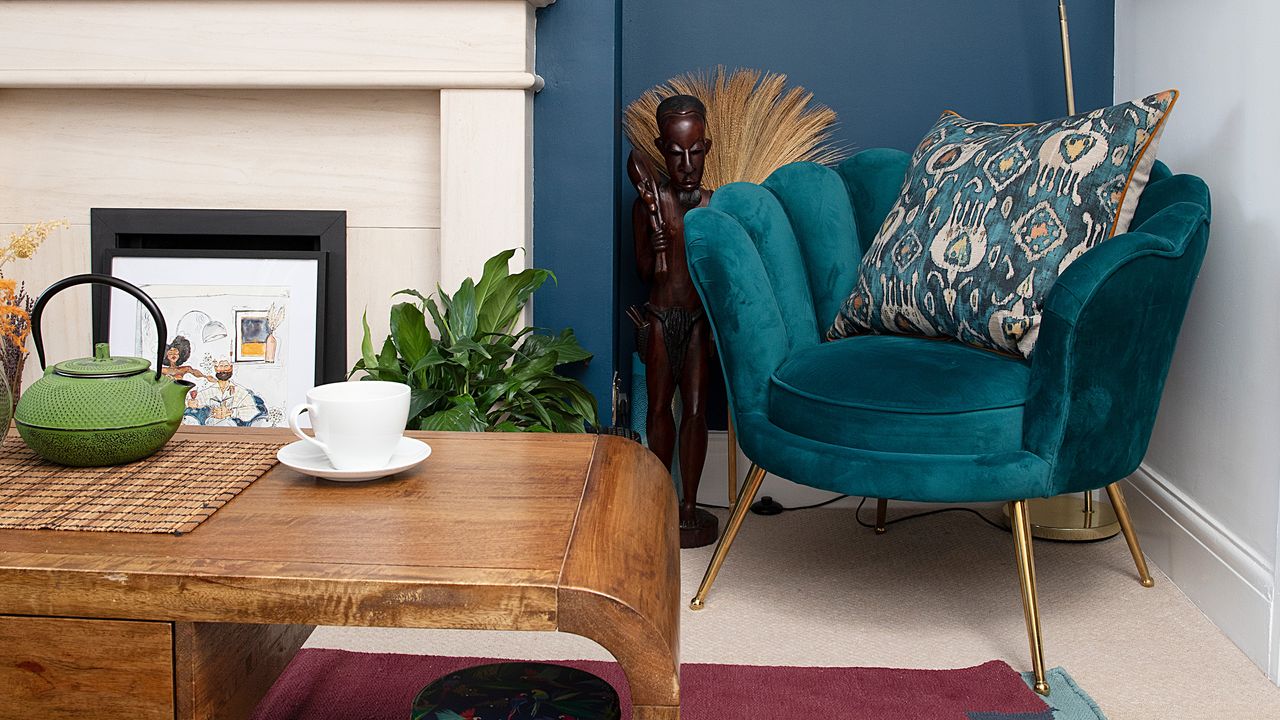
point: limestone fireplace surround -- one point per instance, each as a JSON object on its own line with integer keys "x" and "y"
{"x": 414, "y": 116}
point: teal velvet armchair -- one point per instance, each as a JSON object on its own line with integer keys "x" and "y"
{"x": 908, "y": 418}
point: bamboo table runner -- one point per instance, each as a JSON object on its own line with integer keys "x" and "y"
{"x": 172, "y": 491}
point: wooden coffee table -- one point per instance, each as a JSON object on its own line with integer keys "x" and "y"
{"x": 575, "y": 533}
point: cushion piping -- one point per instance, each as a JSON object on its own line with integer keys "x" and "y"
{"x": 901, "y": 410}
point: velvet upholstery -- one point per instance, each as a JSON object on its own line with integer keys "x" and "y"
{"x": 897, "y": 394}
{"x": 919, "y": 419}
{"x": 817, "y": 205}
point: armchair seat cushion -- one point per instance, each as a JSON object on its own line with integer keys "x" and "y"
{"x": 902, "y": 394}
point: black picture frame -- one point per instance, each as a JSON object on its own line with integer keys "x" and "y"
{"x": 219, "y": 233}
{"x": 102, "y": 325}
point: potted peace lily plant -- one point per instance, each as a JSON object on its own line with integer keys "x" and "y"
{"x": 476, "y": 371}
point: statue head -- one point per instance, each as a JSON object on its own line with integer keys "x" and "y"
{"x": 682, "y": 140}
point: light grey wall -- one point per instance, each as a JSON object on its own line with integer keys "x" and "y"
{"x": 1216, "y": 447}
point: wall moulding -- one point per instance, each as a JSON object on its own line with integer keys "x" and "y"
{"x": 248, "y": 79}
{"x": 376, "y": 44}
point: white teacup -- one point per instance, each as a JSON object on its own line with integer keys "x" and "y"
{"x": 357, "y": 424}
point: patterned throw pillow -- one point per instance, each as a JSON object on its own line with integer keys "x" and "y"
{"x": 989, "y": 216}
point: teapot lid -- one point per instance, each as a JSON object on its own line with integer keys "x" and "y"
{"x": 102, "y": 365}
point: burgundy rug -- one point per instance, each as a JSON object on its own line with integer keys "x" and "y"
{"x": 342, "y": 685}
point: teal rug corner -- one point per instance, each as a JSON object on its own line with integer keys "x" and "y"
{"x": 1066, "y": 699}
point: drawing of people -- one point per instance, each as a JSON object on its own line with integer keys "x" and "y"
{"x": 175, "y": 358}
{"x": 223, "y": 402}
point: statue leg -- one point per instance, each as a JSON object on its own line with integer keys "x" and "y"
{"x": 660, "y": 424}
{"x": 697, "y": 527}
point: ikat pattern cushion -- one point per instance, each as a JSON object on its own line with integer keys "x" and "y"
{"x": 988, "y": 217}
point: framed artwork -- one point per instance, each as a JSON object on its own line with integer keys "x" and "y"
{"x": 239, "y": 233}
{"x": 246, "y": 330}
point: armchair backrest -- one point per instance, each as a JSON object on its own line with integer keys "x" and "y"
{"x": 873, "y": 179}
{"x": 772, "y": 264}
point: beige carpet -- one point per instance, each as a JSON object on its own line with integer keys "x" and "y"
{"x": 814, "y": 588}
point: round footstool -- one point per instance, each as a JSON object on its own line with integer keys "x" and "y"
{"x": 517, "y": 691}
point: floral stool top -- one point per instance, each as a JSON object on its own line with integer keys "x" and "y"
{"x": 517, "y": 691}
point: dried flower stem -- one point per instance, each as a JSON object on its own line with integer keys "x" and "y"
{"x": 23, "y": 245}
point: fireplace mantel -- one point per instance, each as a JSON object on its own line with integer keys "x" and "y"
{"x": 321, "y": 44}
{"x": 479, "y": 55}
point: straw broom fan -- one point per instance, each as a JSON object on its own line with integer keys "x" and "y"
{"x": 758, "y": 125}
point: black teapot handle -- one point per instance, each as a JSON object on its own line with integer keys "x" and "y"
{"x": 162, "y": 331}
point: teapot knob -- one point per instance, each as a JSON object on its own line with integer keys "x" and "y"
{"x": 101, "y": 351}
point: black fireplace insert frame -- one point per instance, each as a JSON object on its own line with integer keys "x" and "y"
{"x": 249, "y": 234}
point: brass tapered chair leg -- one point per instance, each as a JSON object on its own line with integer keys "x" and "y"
{"x": 749, "y": 489}
{"x": 882, "y": 511}
{"x": 1131, "y": 537}
{"x": 1027, "y": 579}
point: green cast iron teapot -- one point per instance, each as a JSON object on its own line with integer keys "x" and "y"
{"x": 101, "y": 410}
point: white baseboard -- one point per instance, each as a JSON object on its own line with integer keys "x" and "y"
{"x": 1229, "y": 581}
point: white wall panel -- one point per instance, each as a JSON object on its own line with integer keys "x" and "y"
{"x": 374, "y": 154}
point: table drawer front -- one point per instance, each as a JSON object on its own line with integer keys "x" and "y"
{"x": 104, "y": 669}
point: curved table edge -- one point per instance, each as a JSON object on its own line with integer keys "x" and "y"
{"x": 620, "y": 584}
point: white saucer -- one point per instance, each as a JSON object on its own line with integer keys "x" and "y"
{"x": 311, "y": 460}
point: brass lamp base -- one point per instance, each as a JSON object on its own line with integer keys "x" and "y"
{"x": 1065, "y": 518}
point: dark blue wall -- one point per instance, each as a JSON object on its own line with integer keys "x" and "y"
{"x": 888, "y": 68}
{"x": 575, "y": 153}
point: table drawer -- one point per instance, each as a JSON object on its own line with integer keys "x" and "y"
{"x": 103, "y": 669}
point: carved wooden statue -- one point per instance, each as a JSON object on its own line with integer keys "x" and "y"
{"x": 678, "y": 346}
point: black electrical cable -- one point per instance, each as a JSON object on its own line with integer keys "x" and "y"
{"x": 857, "y": 514}
{"x": 784, "y": 509}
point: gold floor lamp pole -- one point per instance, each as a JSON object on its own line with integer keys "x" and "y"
{"x": 1070, "y": 517}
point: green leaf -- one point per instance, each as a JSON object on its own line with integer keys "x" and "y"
{"x": 442, "y": 325}
{"x": 429, "y": 360}
{"x": 565, "y": 347}
{"x": 463, "y": 314}
{"x": 355, "y": 368}
{"x": 495, "y": 268}
{"x": 466, "y": 344}
{"x": 412, "y": 293}
{"x": 389, "y": 364}
{"x": 534, "y": 371}
{"x": 421, "y": 399}
{"x": 462, "y": 416}
{"x": 540, "y": 408}
{"x": 579, "y": 398}
{"x": 508, "y": 297}
{"x": 409, "y": 330}
{"x": 366, "y": 345}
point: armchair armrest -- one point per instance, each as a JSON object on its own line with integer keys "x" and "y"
{"x": 1107, "y": 335}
